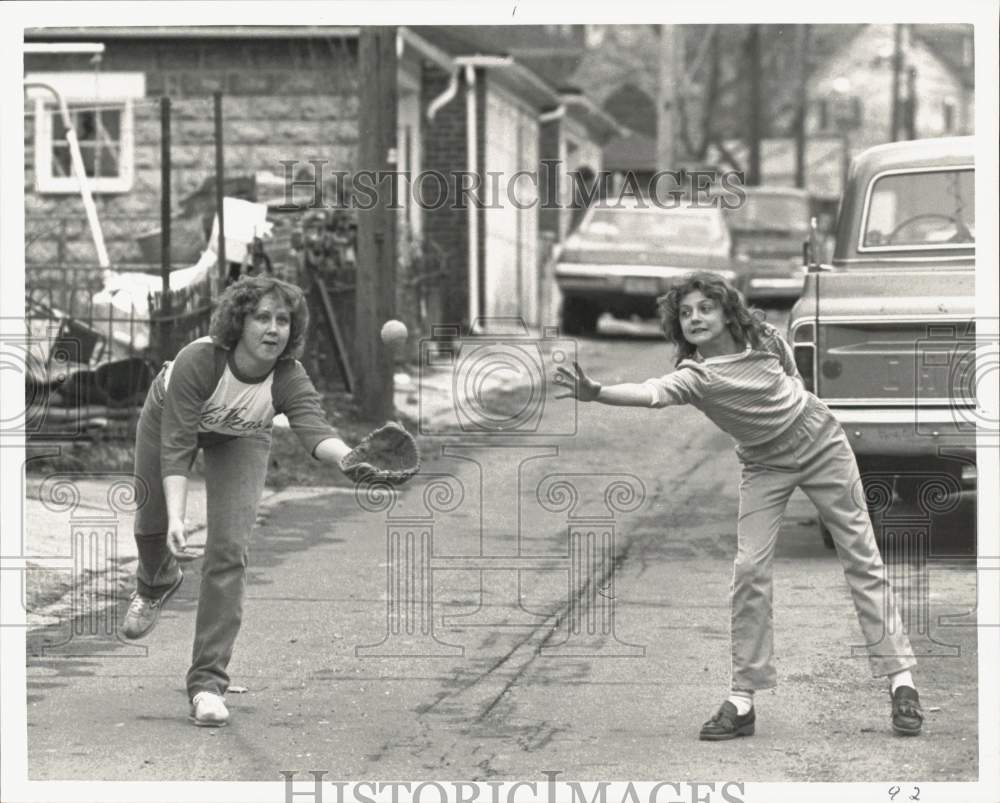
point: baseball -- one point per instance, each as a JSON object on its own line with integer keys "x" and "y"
{"x": 394, "y": 332}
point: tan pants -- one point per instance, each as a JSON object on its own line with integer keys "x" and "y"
{"x": 815, "y": 456}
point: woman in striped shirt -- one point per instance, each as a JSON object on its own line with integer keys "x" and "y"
{"x": 220, "y": 394}
{"x": 741, "y": 374}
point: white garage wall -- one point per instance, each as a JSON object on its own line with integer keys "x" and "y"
{"x": 511, "y": 234}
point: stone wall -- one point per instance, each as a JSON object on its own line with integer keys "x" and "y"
{"x": 283, "y": 99}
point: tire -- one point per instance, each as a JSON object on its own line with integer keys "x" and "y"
{"x": 579, "y": 316}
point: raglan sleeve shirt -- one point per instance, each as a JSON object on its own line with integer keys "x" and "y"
{"x": 779, "y": 346}
{"x": 206, "y": 403}
{"x": 687, "y": 384}
{"x": 193, "y": 375}
{"x": 297, "y": 398}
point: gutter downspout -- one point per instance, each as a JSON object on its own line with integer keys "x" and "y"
{"x": 81, "y": 175}
{"x": 444, "y": 98}
{"x": 558, "y": 112}
{"x": 471, "y": 166}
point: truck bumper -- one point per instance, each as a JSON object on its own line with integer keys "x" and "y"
{"x": 908, "y": 432}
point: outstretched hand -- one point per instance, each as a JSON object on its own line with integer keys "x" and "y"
{"x": 578, "y": 385}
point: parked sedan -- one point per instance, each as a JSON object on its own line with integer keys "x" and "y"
{"x": 768, "y": 229}
{"x": 621, "y": 258}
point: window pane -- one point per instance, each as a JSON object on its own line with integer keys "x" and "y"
{"x": 99, "y": 129}
{"x": 98, "y": 133}
{"x": 85, "y": 123}
{"x": 62, "y": 166}
{"x": 108, "y": 159}
{"x": 58, "y": 129}
{"x": 921, "y": 209}
{"x": 111, "y": 124}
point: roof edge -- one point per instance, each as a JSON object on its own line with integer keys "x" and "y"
{"x": 192, "y": 32}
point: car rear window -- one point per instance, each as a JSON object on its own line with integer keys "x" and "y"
{"x": 926, "y": 209}
{"x": 642, "y": 224}
{"x": 771, "y": 212}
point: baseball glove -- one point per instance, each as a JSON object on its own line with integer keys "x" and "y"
{"x": 388, "y": 454}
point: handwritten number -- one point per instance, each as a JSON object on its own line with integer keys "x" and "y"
{"x": 916, "y": 795}
{"x": 893, "y": 791}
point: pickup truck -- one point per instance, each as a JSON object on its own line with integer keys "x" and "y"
{"x": 886, "y": 334}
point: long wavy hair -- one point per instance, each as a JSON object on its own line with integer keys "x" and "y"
{"x": 241, "y": 299}
{"x": 746, "y": 324}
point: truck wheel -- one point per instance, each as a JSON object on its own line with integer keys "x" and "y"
{"x": 579, "y": 316}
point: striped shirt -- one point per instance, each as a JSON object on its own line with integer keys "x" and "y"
{"x": 207, "y": 400}
{"x": 753, "y": 396}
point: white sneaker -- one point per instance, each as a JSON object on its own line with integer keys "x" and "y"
{"x": 208, "y": 710}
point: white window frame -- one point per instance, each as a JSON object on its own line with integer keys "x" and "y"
{"x": 79, "y": 89}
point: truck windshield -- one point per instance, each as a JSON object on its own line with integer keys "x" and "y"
{"x": 923, "y": 209}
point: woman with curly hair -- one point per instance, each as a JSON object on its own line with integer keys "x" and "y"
{"x": 220, "y": 394}
{"x": 741, "y": 374}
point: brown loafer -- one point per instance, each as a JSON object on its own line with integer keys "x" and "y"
{"x": 907, "y": 715}
{"x": 727, "y": 724}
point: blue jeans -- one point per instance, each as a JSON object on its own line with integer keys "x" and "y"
{"x": 235, "y": 471}
{"x": 814, "y": 455}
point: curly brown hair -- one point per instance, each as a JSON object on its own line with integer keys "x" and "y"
{"x": 241, "y": 298}
{"x": 746, "y": 324}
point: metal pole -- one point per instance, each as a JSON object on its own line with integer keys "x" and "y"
{"x": 897, "y": 68}
{"x": 802, "y": 107}
{"x": 166, "y": 331}
{"x": 755, "y": 101}
{"x": 911, "y": 103}
{"x": 220, "y": 187}
{"x": 667, "y": 91}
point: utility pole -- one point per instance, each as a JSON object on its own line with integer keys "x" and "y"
{"x": 897, "y": 68}
{"x": 911, "y": 103}
{"x": 666, "y": 92}
{"x": 375, "y": 299}
{"x": 802, "y": 106}
{"x": 754, "y": 97}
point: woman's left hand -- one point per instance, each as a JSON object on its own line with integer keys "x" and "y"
{"x": 177, "y": 538}
{"x": 579, "y": 385}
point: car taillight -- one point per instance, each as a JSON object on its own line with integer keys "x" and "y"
{"x": 803, "y": 339}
